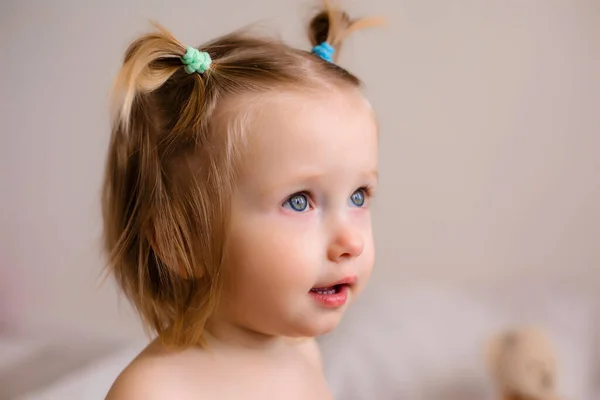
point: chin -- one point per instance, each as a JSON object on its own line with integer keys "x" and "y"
{"x": 320, "y": 325}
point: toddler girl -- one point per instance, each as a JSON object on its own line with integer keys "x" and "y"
{"x": 236, "y": 209}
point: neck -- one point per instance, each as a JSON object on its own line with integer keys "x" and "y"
{"x": 223, "y": 334}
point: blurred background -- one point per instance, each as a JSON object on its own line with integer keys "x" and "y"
{"x": 488, "y": 212}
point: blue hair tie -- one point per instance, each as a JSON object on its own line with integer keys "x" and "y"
{"x": 325, "y": 51}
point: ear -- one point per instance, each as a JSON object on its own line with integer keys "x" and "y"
{"x": 492, "y": 352}
{"x": 496, "y": 346}
{"x": 509, "y": 339}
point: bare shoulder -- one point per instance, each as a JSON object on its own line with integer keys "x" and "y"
{"x": 141, "y": 380}
{"x": 310, "y": 348}
{"x": 157, "y": 374}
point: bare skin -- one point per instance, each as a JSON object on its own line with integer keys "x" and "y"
{"x": 290, "y": 369}
{"x": 321, "y": 150}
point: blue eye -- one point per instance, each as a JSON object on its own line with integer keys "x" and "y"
{"x": 358, "y": 198}
{"x": 297, "y": 202}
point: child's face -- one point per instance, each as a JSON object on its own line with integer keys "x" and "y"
{"x": 300, "y": 214}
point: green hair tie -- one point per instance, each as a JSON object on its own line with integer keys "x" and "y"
{"x": 196, "y": 60}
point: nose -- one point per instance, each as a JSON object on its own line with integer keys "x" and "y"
{"x": 346, "y": 245}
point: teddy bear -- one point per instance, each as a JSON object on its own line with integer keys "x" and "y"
{"x": 522, "y": 363}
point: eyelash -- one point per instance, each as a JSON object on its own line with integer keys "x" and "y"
{"x": 366, "y": 189}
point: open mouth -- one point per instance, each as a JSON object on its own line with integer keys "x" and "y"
{"x": 334, "y": 296}
{"x": 335, "y": 289}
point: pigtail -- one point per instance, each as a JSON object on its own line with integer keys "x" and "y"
{"x": 157, "y": 115}
{"x": 333, "y": 26}
{"x": 149, "y": 62}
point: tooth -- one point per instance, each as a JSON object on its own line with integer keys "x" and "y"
{"x": 325, "y": 291}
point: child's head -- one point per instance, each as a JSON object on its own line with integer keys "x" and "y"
{"x": 238, "y": 179}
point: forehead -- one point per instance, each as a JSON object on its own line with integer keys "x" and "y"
{"x": 327, "y": 130}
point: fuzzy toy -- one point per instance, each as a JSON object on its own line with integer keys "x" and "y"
{"x": 523, "y": 365}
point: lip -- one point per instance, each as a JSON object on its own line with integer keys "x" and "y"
{"x": 337, "y": 299}
{"x": 348, "y": 280}
{"x": 334, "y": 300}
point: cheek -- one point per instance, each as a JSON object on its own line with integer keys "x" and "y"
{"x": 363, "y": 223}
{"x": 274, "y": 253}
{"x": 367, "y": 262}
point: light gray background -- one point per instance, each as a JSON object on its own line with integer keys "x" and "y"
{"x": 489, "y": 143}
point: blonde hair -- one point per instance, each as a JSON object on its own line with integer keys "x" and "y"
{"x": 170, "y": 171}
